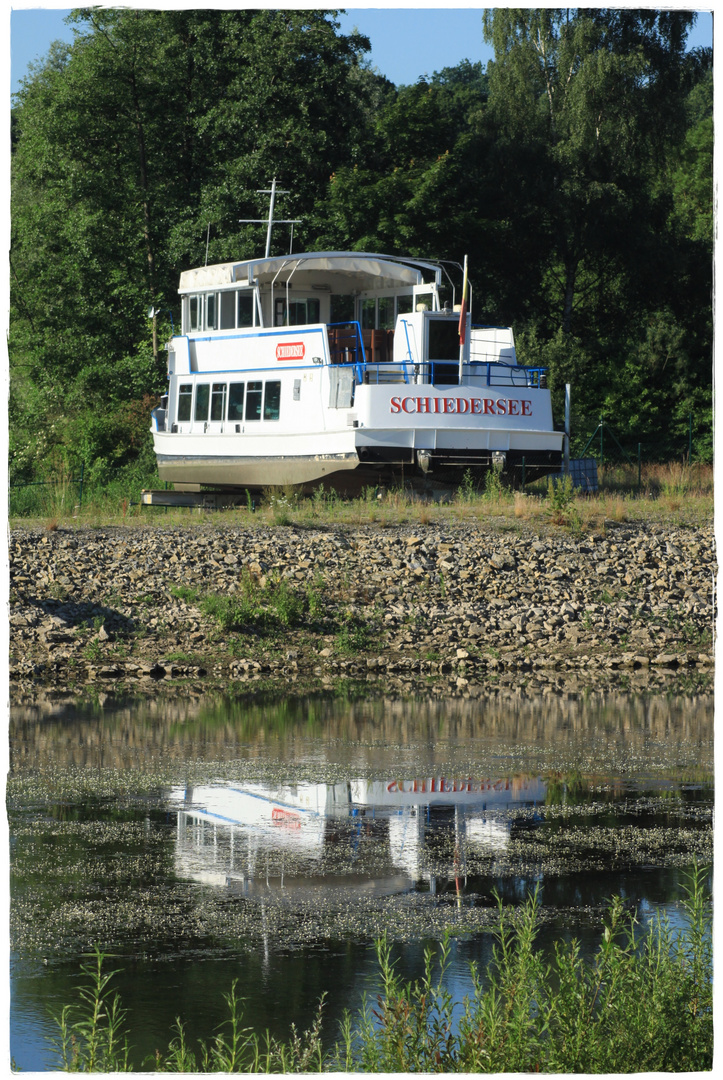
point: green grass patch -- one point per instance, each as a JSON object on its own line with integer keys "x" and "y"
{"x": 264, "y": 606}
{"x": 180, "y": 657}
{"x": 358, "y": 634}
{"x": 190, "y": 594}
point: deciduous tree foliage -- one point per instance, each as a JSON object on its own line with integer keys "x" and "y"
{"x": 576, "y": 174}
{"x": 596, "y": 102}
{"x": 145, "y": 139}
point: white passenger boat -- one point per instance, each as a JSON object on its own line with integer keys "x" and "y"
{"x": 346, "y": 369}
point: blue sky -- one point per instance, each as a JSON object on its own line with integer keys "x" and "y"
{"x": 407, "y": 42}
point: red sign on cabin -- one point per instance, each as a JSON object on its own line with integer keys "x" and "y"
{"x": 291, "y": 350}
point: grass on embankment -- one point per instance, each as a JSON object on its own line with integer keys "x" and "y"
{"x": 672, "y": 493}
{"x": 642, "y": 1003}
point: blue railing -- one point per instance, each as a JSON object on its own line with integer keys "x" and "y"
{"x": 446, "y": 373}
{"x": 498, "y": 373}
{"x": 346, "y": 348}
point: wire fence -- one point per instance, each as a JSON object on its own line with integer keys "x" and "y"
{"x": 58, "y": 492}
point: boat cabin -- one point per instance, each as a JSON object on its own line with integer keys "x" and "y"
{"x": 347, "y": 292}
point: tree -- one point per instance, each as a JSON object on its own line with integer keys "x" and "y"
{"x": 588, "y": 110}
{"x": 581, "y": 91}
{"x": 127, "y": 145}
{"x": 417, "y": 189}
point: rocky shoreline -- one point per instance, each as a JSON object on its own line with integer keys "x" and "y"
{"x": 455, "y": 610}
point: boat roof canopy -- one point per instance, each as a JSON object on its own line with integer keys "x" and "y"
{"x": 367, "y": 271}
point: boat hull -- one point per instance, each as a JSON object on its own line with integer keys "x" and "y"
{"x": 254, "y": 472}
{"x": 351, "y": 472}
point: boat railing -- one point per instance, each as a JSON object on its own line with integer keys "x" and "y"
{"x": 499, "y": 373}
{"x": 369, "y": 353}
{"x": 446, "y": 373}
{"x": 378, "y": 374}
{"x": 346, "y": 345}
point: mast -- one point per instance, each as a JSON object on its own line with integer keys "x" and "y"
{"x": 272, "y": 191}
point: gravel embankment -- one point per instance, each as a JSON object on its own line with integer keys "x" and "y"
{"x": 457, "y": 609}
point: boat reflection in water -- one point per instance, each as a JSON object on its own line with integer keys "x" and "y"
{"x": 367, "y": 837}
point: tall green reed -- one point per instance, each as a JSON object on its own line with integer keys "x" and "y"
{"x": 642, "y": 1003}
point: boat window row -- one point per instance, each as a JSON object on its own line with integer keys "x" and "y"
{"x": 233, "y": 309}
{"x": 221, "y": 310}
{"x": 236, "y": 401}
{"x": 380, "y": 313}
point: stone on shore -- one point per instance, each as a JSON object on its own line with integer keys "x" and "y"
{"x": 464, "y": 605}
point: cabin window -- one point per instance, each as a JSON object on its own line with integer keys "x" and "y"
{"x": 202, "y": 396}
{"x": 272, "y": 399}
{"x": 386, "y": 313}
{"x": 423, "y": 299}
{"x": 227, "y": 313}
{"x": 211, "y": 312}
{"x": 218, "y": 401}
{"x": 236, "y": 401}
{"x": 404, "y": 304}
{"x": 245, "y": 309}
{"x": 369, "y": 314}
{"x": 253, "y": 401}
{"x": 342, "y": 308}
{"x": 194, "y": 312}
{"x": 302, "y": 312}
{"x": 185, "y": 393}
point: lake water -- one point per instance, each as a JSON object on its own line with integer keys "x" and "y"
{"x": 212, "y": 840}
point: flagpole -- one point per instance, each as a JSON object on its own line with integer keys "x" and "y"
{"x": 463, "y": 322}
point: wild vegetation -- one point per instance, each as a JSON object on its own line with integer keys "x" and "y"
{"x": 642, "y": 1003}
{"x": 576, "y": 173}
{"x": 673, "y": 492}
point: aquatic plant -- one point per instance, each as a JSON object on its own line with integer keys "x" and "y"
{"x": 642, "y": 1003}
{"x": 91, "y": 1033}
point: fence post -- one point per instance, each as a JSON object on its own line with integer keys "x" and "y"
{"x": 566, "y": 441}
{"x": 602, "y": 428}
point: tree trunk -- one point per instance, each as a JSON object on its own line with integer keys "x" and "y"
{"x": 143, "y": 169}
{"x": 570, "y": 278}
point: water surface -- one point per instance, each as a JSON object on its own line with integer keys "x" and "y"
{"x": 207, "y": 841}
